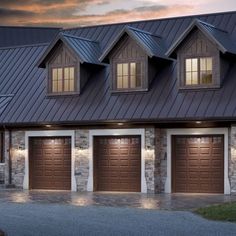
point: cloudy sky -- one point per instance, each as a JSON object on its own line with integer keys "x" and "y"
{"x": 69, "y": 13}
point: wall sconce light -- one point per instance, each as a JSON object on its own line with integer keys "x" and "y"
{"x": 20, "y": 148}
{"x": 120, "y": 124}
{"x": 48, "y": 126}
{"x": 198, "y": 122}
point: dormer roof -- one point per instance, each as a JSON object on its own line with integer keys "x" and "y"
{"x": 152, "y": 44}
{"x": 218, "y": 36}
{"x": 86, "y": 50}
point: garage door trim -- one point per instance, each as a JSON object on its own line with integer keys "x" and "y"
{"x": 197, "y": 131}
{"x": 117, "y": 132}
{"x": 103, "y": 179}
{"x": 49, "y": 133}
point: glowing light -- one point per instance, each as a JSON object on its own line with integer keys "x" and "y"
{"x": 120, "y": 124}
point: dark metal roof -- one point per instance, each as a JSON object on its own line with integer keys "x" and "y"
{"x": 221, "y": 37}
{"x": 85, "y": 49}
{"x": 4, "y": 101}
{"x": 16, "y": 36}
{"x": 152, "y": 44}
{"x": 19, "y": 75}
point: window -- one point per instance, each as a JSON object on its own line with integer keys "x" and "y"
{"x": 198, "y": 71}
{"x": 63, "y": 79}
{"x": 128, "y": 75}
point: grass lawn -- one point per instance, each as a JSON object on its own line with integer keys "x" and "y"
{"x": 224, "y": 212}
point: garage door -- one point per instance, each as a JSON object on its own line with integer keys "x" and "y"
{"x": 117, "y": 164}
{"x": 198, "y": 164}
{"x": 50, "y": 163}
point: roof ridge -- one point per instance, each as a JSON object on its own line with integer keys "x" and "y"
{"x": 29, "y": 27}
{"x": 150, "y": 20}
{"x": 212, "y": 26}
{"x": 77, "y": 37}
{"x": 24, "y": 46}
{"x": 142, "y": 31}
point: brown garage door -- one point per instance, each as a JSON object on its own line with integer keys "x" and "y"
{"x": 198, "y": 164}
{"x": 50, "y": 163}
{"x": 117, "y": 164}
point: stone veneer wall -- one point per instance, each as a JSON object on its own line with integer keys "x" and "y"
{"x": 81, "y": 159}
{"x": 155, "y": 159}
{"x": 2, "y": 173}
{"x": 160, "y": 160}
{"x": 232, "y": 158}
{"x": 150, "y": 159}
{"x": 18, "y": 158}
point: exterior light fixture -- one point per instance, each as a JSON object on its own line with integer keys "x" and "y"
{"x": 198, "y": 122}
{"x": 48, "y": 126}
{"x": 120, "y": 124}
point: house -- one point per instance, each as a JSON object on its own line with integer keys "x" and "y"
{"x": 145, "y": 106}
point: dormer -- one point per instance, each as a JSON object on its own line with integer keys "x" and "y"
{"x": 69, "y": 61}
{"x": 133, "y": 57}
{"x": 201, "y": 53}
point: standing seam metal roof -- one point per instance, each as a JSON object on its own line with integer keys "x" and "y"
{"x": 152, "y": 44}
{"x": 20, "y": 76}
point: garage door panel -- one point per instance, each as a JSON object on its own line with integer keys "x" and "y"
{"x": 201, "y": 167}
{"x": 192, "y": 151}
{"x": 120, "y": 170}
{"x": 124, "y": 151}
{"x": 124, "y": 162}
{"x": 50, "y": 163}
{"x": 205, "y": 150}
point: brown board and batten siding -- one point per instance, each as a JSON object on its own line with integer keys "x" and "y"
{"x": 198, "y": 164}
{"x": 117, "y": 163}
{"x": 198, "y": 45}
{"x": 128, "y": 51}
{"x": 50, "y": 163}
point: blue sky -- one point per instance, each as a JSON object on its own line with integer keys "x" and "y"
{"x": 68, "y": 13}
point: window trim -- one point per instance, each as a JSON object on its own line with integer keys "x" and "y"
{"x": 63, "y": 79}
{"x": 182, "y": 80}
{"x": 50, "y": 81}
{"x": 198, "y": 71}
{"x": 114, "y": 74}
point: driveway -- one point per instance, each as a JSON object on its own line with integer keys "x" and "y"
{"x": 55, "y": 213}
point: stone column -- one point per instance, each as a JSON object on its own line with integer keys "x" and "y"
{"x": 232, "y": 158}
{"x": 81, "y": 159}
{"x": 6, "y": 156}
{"x": 18, "y": 158}
{"x": 150, "y": 159}
{"x": 160, "y": 160}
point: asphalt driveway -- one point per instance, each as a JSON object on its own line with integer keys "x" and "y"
{"x": 27, "y": 219}
{"x": 46, "y": 213}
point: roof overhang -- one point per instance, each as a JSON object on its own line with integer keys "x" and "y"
{"x": 199, "y": 25}
{"x": 130, "y": 31}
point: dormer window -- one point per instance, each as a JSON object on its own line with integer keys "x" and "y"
{"x": 135, "y": 57}
{"x": 63, "y": 79}
{"x": 203, "y": 55}
{"x": 198, "y": 71}
{"x": 128, "y": 75}
{"x": 70, "y": 61}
